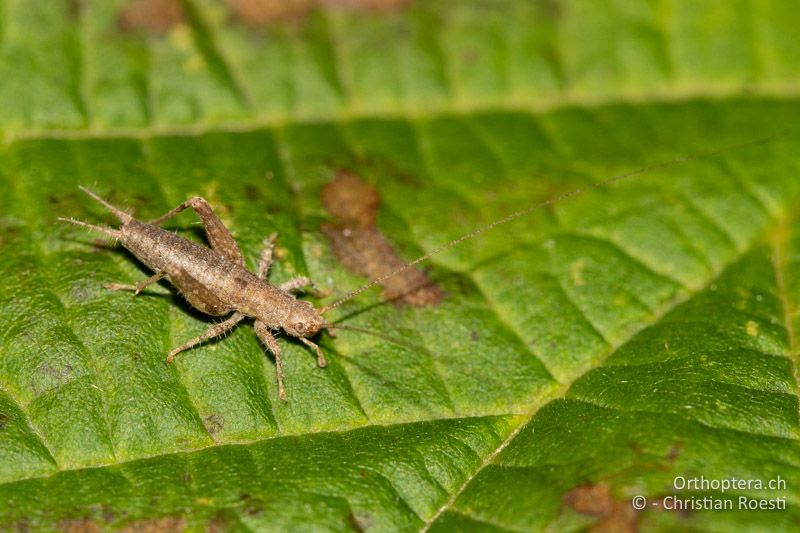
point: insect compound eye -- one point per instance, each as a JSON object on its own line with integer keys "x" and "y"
{"x": 300, "y": 326}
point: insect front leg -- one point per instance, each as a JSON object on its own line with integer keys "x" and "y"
{"x": 320, "y": 357}
{"x": 139, "y": 287}
{"x": 262, "y": 330}
{"x": 218, "y": 235}
{"x": 215, "y": 331}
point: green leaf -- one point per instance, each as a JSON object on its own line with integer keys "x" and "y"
{"x": 623, "y": 338}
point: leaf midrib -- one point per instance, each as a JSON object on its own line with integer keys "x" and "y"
{"x": 252, "y": 442}
{"x": 681, "y": 297}
{"x": 9, "y": 135}
{"x": 779, "y": 239}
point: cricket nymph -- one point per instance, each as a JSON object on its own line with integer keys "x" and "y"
{"x": 215, "y": 280}
{"x": 208, "y": 281}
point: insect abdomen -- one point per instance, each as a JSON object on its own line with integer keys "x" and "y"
{"x": 210, "y": 282}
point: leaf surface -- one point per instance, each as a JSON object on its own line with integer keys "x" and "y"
{"x": 623, "y": 337}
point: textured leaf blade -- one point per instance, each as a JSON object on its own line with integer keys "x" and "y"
{"x": 621, "y": 338}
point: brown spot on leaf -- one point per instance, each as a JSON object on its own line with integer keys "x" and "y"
{"x": 157, "y": 16}
{"x": 164, "y": 524}
{"x": 214, "y": 423}
{"x": 666, "y": 464}
{"x": 220, "y": 522}
{"x": 85, "y": 525}
{"x": 674, "y": 451}
{"x": 351, "y": 200}
{"x": 550, "y": 10}
{"x": 109, "y": 515}
{"x": 3, "y": 421}
{"x": 250, "y": 505}
{"x": 76, "y": 7}
{"x": 252, "y": 192}
{"x": 22, "y": 526}
{"x": 264, "y": 12}
{"x": 622, "y": 519}
{"x": 470, "y": 56}
{"x": 259, "y": 13}
{"x": 592, "y": 500}
{"x": 361, "y": 247}
{"x": 365, "y": 5}
{"x": 597, "y": 500}
{"x": 359, "y": 521}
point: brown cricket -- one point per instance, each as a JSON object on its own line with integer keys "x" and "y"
{"x": 215, "y": 280}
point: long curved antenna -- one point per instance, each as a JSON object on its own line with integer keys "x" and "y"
{"x": 575, "y": 192}
{"x": 374, "y": 334}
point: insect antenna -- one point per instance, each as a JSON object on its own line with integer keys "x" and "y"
{"x": 353, "y": 328}
{"x": 550, "y": 201}
{"x": 374, "y": 334}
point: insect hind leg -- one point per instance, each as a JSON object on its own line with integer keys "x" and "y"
{"x": 215, "y": 331}
{"x": 137, "y": 288}
{"x": 219, "y": 237}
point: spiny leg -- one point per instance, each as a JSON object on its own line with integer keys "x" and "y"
{"x": 266, "y": 256}
{"x": 137, "y": 288}
{"x": 320, "y": 357}
{"x": 215, "y": 331}
{"x": 218, "y": 235}
{"x": 262, "y": 330}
